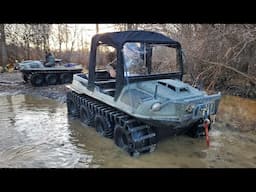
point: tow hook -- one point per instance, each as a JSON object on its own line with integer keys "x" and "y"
{"x": 206, "y": 126}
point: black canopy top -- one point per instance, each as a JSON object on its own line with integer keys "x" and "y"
{"x": 117, "y": 39}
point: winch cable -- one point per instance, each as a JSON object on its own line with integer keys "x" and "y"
{"x": 206, "y": 126}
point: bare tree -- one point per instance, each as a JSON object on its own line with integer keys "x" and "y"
{"x": 60, "y": 33}
{"x": 46, "y": 28}
{"x": 221, "y": 55}
{"x": 123, "y": 27}
{"x": 74, "y": 36}
{"x": 40, "y": 36}
{"x": 97, "y": 28}
{"x": 3, "y": 45}
{"x": 66, "y": 35}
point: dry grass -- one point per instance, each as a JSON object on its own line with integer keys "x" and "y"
{"x": 237, "y": 113}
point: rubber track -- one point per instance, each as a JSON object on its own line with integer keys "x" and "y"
{"x": 129, "y": 123}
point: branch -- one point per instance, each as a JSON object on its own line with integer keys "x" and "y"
{"x": 252, "y": 79}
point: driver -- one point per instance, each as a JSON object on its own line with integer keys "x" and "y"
{"x": 49, "y": 59}
{"x": 111, "y": 66}
{"x": 132, "y": 59}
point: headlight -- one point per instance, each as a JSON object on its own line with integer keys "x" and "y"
{"x": 212, "y": 107}
{"x": 156, "y": 107}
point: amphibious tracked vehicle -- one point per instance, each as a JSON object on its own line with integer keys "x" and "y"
{"x": 35, "y": 72}
{"x": 146, "y": 100}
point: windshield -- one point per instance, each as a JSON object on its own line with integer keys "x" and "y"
{"x": 145, "y": 59}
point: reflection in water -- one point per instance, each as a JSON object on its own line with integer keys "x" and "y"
{"x": 36, "y": 132}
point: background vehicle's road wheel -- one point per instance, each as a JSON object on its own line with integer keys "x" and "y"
{"x": 37, "y": 79}
{"x": 66, "y": 78}
{"x": 51, "y": 79}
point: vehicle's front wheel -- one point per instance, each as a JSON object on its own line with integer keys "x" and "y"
{"x": 121, "y": 138}
{"x": 197, "y": 130}
{"x": 71, "y": 105}
{"x": 25, "y": 77}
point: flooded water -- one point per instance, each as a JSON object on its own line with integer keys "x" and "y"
{"x": 36, "y": 133}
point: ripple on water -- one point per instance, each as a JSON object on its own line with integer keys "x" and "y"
{"x": 36, "y": 132}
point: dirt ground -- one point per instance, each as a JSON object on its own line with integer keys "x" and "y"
{"x": 11, "y": 83}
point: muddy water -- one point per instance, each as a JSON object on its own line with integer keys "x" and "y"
{"x": 36, "y": 132}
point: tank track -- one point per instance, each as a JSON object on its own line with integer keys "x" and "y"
{"x": 28, "y": 75}
{"x": 51, "y": 71}
{"x": 128, "y": 132}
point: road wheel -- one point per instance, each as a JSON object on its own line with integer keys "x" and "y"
{"x": 51, "y": 79}
{"x": 72, "y": 107}
{"x": 37, "y": 79}
{"x": 103, "y": 126}
{"x": 86, "y": 116}
{"x": 121, "y": 139}
{"x": 66, "y": 78}
{"x": 25, "y": 77}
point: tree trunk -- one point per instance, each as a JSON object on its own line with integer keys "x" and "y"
{"x": 3, "y": 46}
{"x": 132, "y": 26}
{"x": 28, "y": 50}
{"x": 129, "y": 26}
{"x": 66, "y": 36}
{"x": 97, "y": 28}
{"x": 251, "y": 79}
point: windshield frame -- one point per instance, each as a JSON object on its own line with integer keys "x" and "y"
{"x": 144, "y": 58}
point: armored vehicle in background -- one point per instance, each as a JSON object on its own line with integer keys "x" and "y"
{"x": 38, "y": 74}
{"x": 146, "y": 100}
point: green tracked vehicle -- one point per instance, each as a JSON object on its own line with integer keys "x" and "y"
{"x": 38, "y": 74}
{"x": 146, "y": 100}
